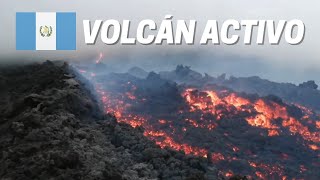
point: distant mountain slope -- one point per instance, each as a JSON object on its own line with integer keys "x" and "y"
{"x": 289, "y": 92}
{"x": 138, "y": 72}
{"x": 305, "y": 94}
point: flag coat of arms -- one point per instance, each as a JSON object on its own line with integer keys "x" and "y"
{"x": 46, "y": 31}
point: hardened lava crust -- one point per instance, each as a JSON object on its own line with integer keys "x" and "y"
{"x": 51, "y": 127}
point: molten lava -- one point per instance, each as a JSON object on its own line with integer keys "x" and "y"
{"x": 203, "y": 117}
{"x": 267, "y": 113}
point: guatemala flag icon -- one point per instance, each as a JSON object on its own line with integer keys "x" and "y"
{"x": 45, "y": 31}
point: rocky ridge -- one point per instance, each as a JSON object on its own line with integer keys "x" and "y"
{"x": 51, "y": 128}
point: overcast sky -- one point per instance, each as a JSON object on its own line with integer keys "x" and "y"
{"x": 280, "y": 63}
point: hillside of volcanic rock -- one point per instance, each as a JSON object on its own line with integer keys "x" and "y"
{"x": 305, "y": 94}
{"x": 262, "y": 137}
{"x": 51, "y": 128}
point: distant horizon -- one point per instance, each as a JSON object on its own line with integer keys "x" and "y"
{"x": 212, "y": 64}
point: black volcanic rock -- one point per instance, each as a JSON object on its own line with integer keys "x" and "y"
{"x": 182, "y": 74}
{"x": 138, "y": 72}
{"x": 52, "y": 128}
{"x": 309, "y": 84}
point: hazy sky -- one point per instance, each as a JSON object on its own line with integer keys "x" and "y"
{"x": 281, "y": 63}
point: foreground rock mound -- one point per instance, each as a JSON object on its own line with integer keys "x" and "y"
{"x": 51, "y": 128}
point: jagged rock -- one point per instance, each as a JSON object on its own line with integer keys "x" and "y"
{"x": 52, "y": 128}
{"x": 309, "y": 84}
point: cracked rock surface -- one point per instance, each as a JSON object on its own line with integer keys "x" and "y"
{"x": 51, "y": 128}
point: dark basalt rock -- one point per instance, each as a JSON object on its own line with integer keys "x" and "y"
{"x": 51, "y": 127}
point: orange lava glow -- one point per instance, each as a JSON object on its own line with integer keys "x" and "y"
{"x": 269, "y": 170}
{"x": 318, "y": 124}
{"x": 216, "y": 157}
{"x": 167, "y": 141}
{"x": 314, "y": 147}
{"x": 260, "y": 175}
{"x": 214, "y": 106}
{"x": 229, "y": 174}
{"x": 297, "y": 128}
{"x": 268, "y": 113}
{"x": 162, "y": 121}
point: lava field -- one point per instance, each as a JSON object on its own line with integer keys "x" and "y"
{"x": 261, "y": 137}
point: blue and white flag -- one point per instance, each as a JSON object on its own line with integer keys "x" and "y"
{"x": 45, "y": 31}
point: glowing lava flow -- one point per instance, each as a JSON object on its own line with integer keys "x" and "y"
{"x": 262, "y": 114}
{"x": 270, "y": 170}
{"x": 167, "y": 141}
{"x": 204, "y": 110}
{"x": 117, "y": 105}
{"x": 267, "y": 113}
